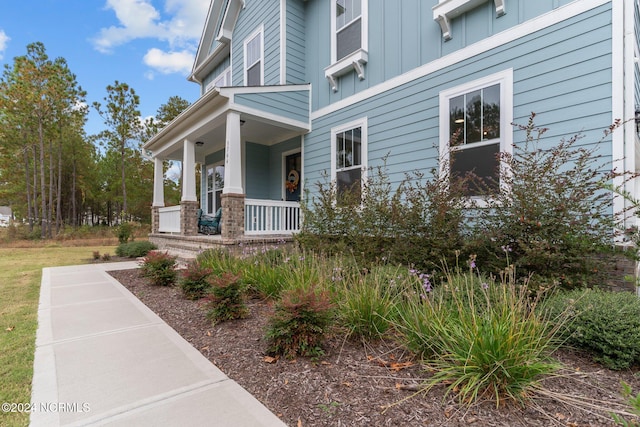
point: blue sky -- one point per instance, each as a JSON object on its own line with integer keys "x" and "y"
{"x": 148, "y": 44}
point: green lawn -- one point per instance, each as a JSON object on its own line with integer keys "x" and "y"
{"x": 20, "y": 275}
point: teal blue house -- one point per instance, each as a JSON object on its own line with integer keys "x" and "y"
{"x": 293, "y": 89}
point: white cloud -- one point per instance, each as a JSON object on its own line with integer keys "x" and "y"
{"x": 169, "y": 62}
{"x": 4, "y": 40}
{"x": 140, "y": 19}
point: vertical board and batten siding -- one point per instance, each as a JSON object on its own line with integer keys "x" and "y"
{"x": 256, "y": 168}
{"x": 562, "y": 72}
{"x": 258, "y": 13}
{"x": 295, "y": 42}
{"x": 291, "y": 104}
{"x": 402, "y": 36}
{"x": 263, "y": 169}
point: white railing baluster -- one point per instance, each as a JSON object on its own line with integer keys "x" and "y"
{"x": 264, "y": 217}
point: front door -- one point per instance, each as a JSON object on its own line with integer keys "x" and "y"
{"x": 293, "y": 170}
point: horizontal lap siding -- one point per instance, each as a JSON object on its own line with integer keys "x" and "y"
{"x": 562, "y": 73}
{"x": 252, "y": 16}
{"x": 293, "y": 105}
{"x": 216, "y": 72}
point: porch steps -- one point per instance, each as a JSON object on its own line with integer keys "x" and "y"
{"x": 187, "y": 248}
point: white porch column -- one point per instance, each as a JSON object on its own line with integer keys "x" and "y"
{"x": 189, "y": 172}
{"x": 233, "y": 156}
{"x": 158, "y": 183}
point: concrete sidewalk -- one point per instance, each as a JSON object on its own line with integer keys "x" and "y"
{"x": 103, "y": 358}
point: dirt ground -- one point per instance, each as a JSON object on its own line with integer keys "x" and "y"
{"x": 372, "y": 384}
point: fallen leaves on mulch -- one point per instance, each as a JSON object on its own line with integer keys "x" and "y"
{"x": 371, "y": 384}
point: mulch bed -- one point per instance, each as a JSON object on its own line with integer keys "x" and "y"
{"x": 370, "y": 384}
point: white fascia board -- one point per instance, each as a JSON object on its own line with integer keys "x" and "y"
{"x": 187, "y": 115}
{"x": 229, "y": 20}
{"x": 286, "y": 122}
{"x": 229, "y": 92}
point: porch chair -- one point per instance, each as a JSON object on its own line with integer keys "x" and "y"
{"x": 209, "y": 224}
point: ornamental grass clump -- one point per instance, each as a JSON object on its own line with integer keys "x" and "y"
{"x": 480, "y": 337}
{"x": 193, "y": 282}
{"x": 220, "y": 261}
{"x": 299, "y": 323}
{"x": 366, "y": 304}
{"x": 226, "y": 299}
{"x": 159, "y": 268}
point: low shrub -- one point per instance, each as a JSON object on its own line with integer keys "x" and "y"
{"x": 418, "y": 223}
{"x": 106, "y": 257}
{"x": 481, "y": 338}
{"x": 299, "y": 323}
{"x": 134, "y": 249}
{"x": 226, "y": 299}
{"x": 606, "y": 324}
{"x": 159, "y": 268}
{"x": 96, "y": 255}
{"x": 193, "y": 282}
{"x": 124, "y": 232}
{"x": 552, "y": 215}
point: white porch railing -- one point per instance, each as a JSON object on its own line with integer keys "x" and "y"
{"x": 169, "y": 221}
{"x": 264, "y": 217}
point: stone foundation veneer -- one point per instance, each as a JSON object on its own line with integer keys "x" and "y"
{"x": 155, "y": 219}
{"x": 188, "y": 218}
{"x": 232, "y": 215}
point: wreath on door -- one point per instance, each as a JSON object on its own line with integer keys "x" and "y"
{"x": 293, "y": 178}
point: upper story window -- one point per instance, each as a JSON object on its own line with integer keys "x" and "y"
{"x": 254, "y": 59}
{"x": 223, "y": 79}
{"x": 349, "y": 39}
{"x": 348, "y": 27}
{"x": 349, "y": 160}
{"x": 474, "y": 129}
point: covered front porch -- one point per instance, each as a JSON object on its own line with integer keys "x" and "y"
{"x": 248, "y": 141}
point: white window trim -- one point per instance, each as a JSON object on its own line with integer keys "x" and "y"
{"x": 206, "y": 187}
{"x": 505, "y": 80}
{"x": 226, "y": 74}
{"x": 258, "y": 32}
{"x": 355, "y": 60}
{"x": 362, "y": 123}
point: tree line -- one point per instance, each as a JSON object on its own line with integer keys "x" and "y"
{"x": 52, "y": 174}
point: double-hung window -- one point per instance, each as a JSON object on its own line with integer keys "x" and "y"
{"x": 348, "y": 35}
{"x": 475, "y": 122}
{"x": 253, "y": 59}
{"x": 215, "y": 185}
{"x": 349, "y": 160}
{"x": 349, "y": 39}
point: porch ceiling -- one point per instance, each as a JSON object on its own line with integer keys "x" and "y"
{"x": 205, "y": 121}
